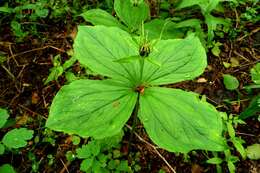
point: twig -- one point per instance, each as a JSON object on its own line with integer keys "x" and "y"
{"x": 246, "y": 35}
{"x": 25, "y": 108}
{"x": 153, "y": 147}
{"x": 8, "y": 72}
{"x": 237, "y": 18}
{"x": 241, "y": 56}
{"x": 64, "y": 167}
{"x": 36, "y": 49}
{"x": 243, "y": 66}
{"x": 245, "y": 134}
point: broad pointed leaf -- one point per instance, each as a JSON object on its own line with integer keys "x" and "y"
{"x": 132, "y": 14}
{"x": 101, "y": 17}
{"x": 180, "y": 59}
{"x": 179, "y": 121}
{"x": 206, "y": 5}
{"x": 99, "y": 48}
{"x": 91, "y": 108}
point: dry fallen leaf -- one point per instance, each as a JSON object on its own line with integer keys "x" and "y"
{"x": 35, "y": 98}
{"x": 202, "y": 80}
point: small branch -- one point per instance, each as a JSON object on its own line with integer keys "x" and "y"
{"x": 153, "y": 147}
{"x": 251, "y": 33}
{"x": 135, "y": 119}
{"x": 65, "y": 167}
{"x": 245, "y": 134}
{"x": 8, "y": 72}
{"x": 37, "y": 49}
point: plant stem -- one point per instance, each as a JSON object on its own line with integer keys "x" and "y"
{"x": 141, "y": 69}
{"x": 135, "y": 120}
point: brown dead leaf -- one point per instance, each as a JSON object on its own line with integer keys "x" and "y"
{"x": 196, "y": 169}
{"x": 202, "y": 80}
{"x": 35, "y": 98}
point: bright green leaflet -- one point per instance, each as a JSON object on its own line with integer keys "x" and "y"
{"x": 101, "y": 108}
{"x": 180, "y": 59}
{"x": 99, "y": 47}
{"x": 92, "y": 108}
{"x": 3, "y": 117}
{"x": 179, "y": 128}
{"x": 16, "y": 138}
{"x": 132, "y": 14}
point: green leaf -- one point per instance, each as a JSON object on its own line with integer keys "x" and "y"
{"x": 3, "y": 117}
{"x": 180, "y": 59}
{"x": 6, "y": 10}
{"x": 165, "y": 29}
{"x": 231, "y": 130}
{"x": 238, "y": 145}
{"x": 75, "y": 140}
{"x": 230, "y": 82}
{"x": 91, "y": 108}
{"x": 56, "y": 72}
{"x": 2, "y": 149}
{"x": 84, "y": 152}
{"x": 99, "y": 47}
{"x": 70, "y": 76}
{"x": 86, "y": 164}
{"x": 215, "y": 160}
{"x": 101, "y": 17}
{"x": 255, "y": 74}
{"x": 18, "y": 30}
{"x": 216, "y": 50}
{"x": 179, "y": 121}
{"x": 17, "y": 138}
{"x": 231, "y": 167}
{"x": 128, "y": 59}
{"x": 253, "y": 152}
{"x": 252, "y": 109}
{"x": 7, "y": 168}
{"x": 132, "y": 14}
{"x": 206, "y": 5}
{"x": 42, "y": 13}
{"x": 67, "y": 64}
{"x": 111, "y": 142}
{"x": 123, "y": 166}
{"x": 212, "y": 23}
{"x": 97, "y": 167}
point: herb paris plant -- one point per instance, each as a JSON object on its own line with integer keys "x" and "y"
{"x": 176, "y": 120}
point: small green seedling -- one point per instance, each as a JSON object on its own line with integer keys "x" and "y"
{"x": 58, "y": 69}
{"x": 230, "y": 122}
{"x": 254, "y": 106}
{"x": 230, "y": 82}
{"x": 102, "y": 156}
{"x": 14, "y": 139}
